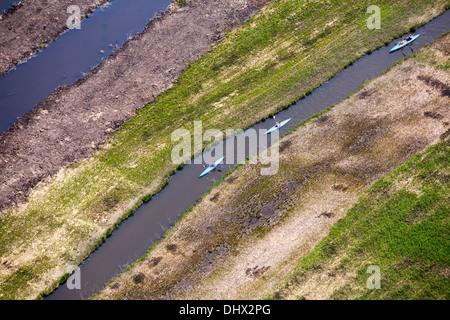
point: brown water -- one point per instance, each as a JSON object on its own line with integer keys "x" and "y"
{"x": 136, "y": 234}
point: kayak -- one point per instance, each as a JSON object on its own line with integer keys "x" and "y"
{"x": 275, "y": 127}
{"x": 209, "y": 169}
{"x": 399, "y": 46}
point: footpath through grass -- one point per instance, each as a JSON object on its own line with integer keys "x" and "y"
{"x": 401, "y": 225}
{"x": 276, "y": 58}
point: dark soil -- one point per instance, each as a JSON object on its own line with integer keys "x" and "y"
{"x": 138, "y": 278}
{"x": 340, "y": 187}
{"x": 444, "y": 88}
{"x": 433, "y": 115}
{"x": 33, "y": 23}
{"x": 171, "y": 247}
{"x": 154, "y": 261}
{"x": 215, "y": 197}
{"x": 322, "y": 119}
{"x": 326, "y": 214}
{"x": 115, "y": 286}
{"x": 256, "y": 271}
{"x": 364, "y": 94}
{"x": 284, "y": 145}
{"x": 231, "y": 179}
{"x": 445, "y": 135}
{"x": 74, "y": 120}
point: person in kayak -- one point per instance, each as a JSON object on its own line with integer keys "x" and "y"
{"x": 277, "y": 124}
{"x": 408, "y": 38}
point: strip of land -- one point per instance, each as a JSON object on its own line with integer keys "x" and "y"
{"x": 286, "y": 50}
{"x": 70, "y": 124}
{"x": 249, "y": 231}
{"x": 32, "y": 25}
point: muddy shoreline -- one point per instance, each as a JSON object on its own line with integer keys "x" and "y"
{"x": 74, "y": 120}
{"x": 33, "y": 24}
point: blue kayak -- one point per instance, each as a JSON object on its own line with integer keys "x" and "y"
{"x": 211, "y": 168}
{"x": 275, "y": 127}
{"x": 403, "y": 44}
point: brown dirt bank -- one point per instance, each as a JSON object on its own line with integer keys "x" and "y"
{"x": 68, "y": 125}
{"x": 251, "y": 230}
{"x": 33, "y": 24}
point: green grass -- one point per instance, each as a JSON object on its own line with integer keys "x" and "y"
{"x": 432, "y": 57}
{"x": 401, "y": 224}
{"x": 276, "y": 58}
{"x": 19, "y": 280}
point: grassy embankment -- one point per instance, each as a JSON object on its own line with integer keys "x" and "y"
{"x": 274, "y": 59}
{"x": 250, "y": 230}
{"x": 401, "y": 225}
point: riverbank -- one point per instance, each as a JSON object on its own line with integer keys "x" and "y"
{"x": 400, "y": 225}
{"x": 31, "y": 26}
{"x": 249, "y": 231}
{"x": 240, "y": 81}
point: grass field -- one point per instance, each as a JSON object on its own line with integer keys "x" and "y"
{"x": 276, "y": 58}
{"x": 401, "y": 225}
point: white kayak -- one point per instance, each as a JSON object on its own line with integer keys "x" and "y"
{"x": 276, "y": 127}
{"x": 211, "y": 167}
